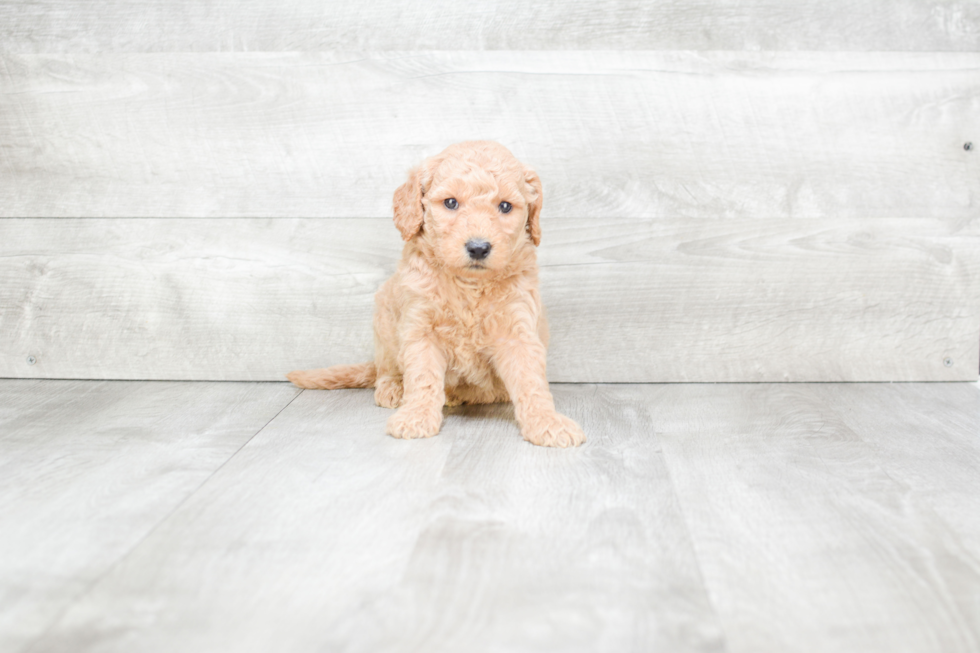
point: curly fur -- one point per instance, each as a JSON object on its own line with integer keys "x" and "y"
{"x": 452, "y": 330}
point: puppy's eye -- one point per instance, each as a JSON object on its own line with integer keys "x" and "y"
{"x": 504, "y": 207}
{"x": 451, "y": 204}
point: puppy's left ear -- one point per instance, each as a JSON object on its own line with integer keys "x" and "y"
{"x": 535, "y": 199}
{"x": 408, "y": 204}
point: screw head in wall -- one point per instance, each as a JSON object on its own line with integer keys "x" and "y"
{"x": 31, "y": 360}
{"x": 968, "y": 146}
{"x": 948, "y": 362}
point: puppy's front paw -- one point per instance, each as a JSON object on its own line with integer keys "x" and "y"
{"x": 409, "y": 423}
{"x": 553, "y": 430}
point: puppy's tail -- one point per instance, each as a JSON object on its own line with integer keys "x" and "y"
{"x": 338, "y": 376}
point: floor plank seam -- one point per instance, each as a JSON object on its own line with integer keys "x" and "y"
{"x": 694, "y": 548}
{"x": 95, "y": 581}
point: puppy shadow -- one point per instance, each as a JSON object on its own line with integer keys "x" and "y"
{"x": 503, "y": 412}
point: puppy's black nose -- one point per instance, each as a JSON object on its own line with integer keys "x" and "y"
{"x": 478, "y": 249}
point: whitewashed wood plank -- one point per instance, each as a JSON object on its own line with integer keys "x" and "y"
{"x": 628, "y": 300}
{"x": 805, "y": 542}
{"x": 220, "y": 25}
{"x": 319, "y": 512}
{"x": 926, "y": 436}
{"x": 527, "y": 549}
{"x": 88, "y": 469}
{"x": 762, "y": 300}
{"x": 622, "y": 134}
{"x": 325, "y": 534}
{"x": 219, "y": 308}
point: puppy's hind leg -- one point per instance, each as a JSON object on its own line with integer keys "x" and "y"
{"x": 388, "y": 386}
{"x": 388, "y": 391}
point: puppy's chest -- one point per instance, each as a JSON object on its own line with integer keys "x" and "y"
{"x": 465, "y": 334}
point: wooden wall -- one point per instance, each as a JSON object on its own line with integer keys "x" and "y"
{"x": 746, "y": 191}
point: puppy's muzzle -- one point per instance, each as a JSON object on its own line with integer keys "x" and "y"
{"x": 478, "y": 249}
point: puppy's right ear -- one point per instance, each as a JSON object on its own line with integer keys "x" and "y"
{"x": 408, "y": 204}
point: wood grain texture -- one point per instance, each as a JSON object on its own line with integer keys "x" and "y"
{"x": 628, "y": 300}
{"x": 219, "y": 25}
{"x": 533, "y": 549}
{"x": 927, "y": 437}
{"x": 325, "y": 534}
{"x": 87, "y": 470}
{"x": 739, "y": 518}
{"x": 806, "y": 542}
{"x": 319, "y": 513}
{"x": 621, "y": 134}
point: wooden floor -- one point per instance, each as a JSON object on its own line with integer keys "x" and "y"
{"x": 166, "y": 516}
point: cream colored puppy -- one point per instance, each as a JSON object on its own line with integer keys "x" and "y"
{"x": 461, "y": 320}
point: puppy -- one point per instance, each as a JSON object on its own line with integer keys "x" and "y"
{"x": 461, "y": 321}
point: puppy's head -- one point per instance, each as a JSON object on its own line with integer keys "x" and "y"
{"x": 471, "y": 208}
